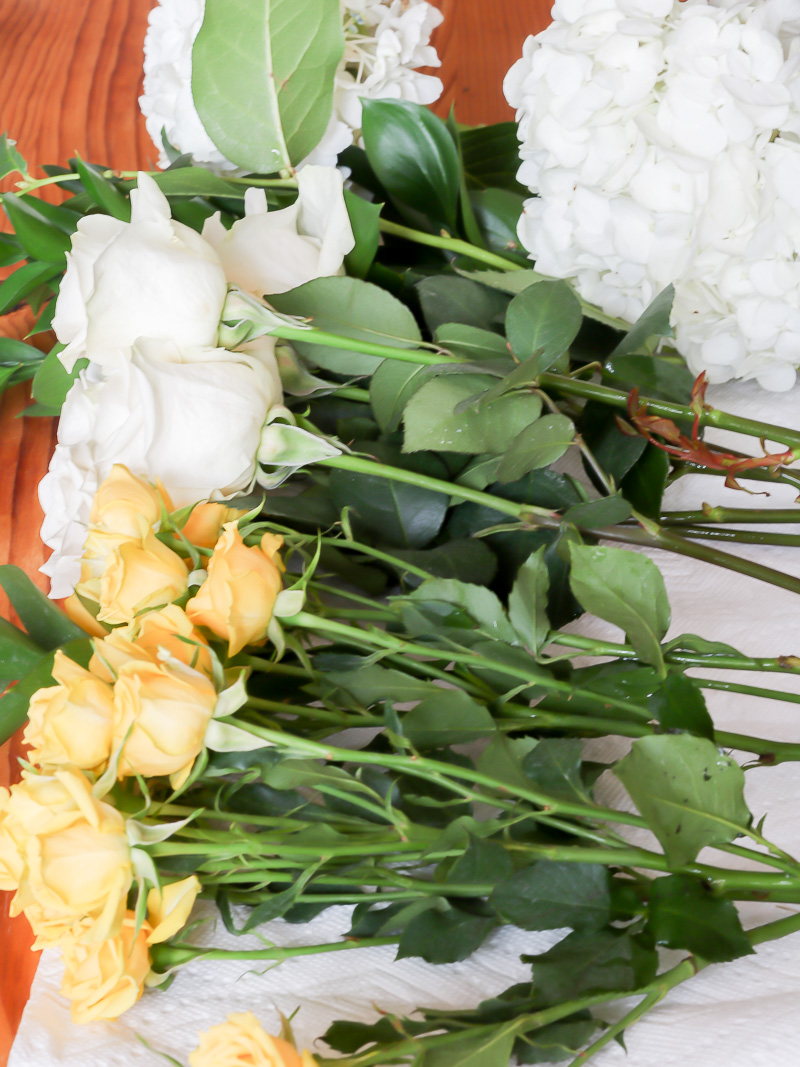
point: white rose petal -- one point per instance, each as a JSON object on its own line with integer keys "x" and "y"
{"x": 270, "y": 252}
{"x": 151, "y": 277}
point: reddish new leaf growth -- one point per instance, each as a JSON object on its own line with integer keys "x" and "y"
{"x": 664, "y": 434}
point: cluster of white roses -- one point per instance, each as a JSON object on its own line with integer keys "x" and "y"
{"x": 663, "y": 142}
{"x": 385, "y": 42}
{"x": 143, "y": 302}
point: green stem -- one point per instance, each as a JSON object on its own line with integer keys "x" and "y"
{"x": 376, "y": 553}
{"x": 615, "y": 398}
{"x": 313, "y": 336}
{"x": 452, "y": 244}
{"x": 742, "y": 537}
{"x": 165, "y": 956}
{"x": 772, "y": 477}
{"x": 774, "y": 665}
{"x": 723, "y": 515}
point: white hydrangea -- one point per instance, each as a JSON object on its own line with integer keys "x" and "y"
{"x": 663, "y": 142}
{"x": 385, "y": 42}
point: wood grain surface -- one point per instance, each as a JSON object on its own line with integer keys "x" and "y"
{"x": 70, "y": 75}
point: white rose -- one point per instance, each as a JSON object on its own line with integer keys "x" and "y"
{"x": 195, "y": 425}
{"x": 274, "y": 251}
{"x": 151, "y": 277}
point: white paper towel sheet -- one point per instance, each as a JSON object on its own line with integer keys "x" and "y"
{"x": 741, "y": 1014}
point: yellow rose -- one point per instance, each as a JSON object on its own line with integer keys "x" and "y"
{"x": 97, "y": 550}
{"x": 164, "y": 713}
{"x": 71, "y": 723}
{"x": 237, "y": 599}
{"x": 11, "y": 863}
{"x": 242, "y": 1042}
{"x": 168, "y": 908}
{"x": 204, "y": 525}
{"x": 139, "y": 576}
{"x": 77, "y": 612}
{"x": 105, "y": 978}
{"x": 122, "y": 500}
{"x": 142, "y": 639}
{"x": 76, "y": 855}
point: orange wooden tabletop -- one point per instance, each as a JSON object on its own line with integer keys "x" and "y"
{"x": 70, "y": 75}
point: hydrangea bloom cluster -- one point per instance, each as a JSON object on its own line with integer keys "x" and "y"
{"x": 385, "y": 42}
{"x": 663, "y": 142}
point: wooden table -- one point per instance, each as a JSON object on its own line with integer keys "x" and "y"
{"x": 70, "y": 75}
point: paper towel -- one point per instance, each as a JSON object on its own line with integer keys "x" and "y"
{"x": 740, "y": 1014}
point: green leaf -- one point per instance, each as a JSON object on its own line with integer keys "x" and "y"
{"x": 543, "y": 320}
{"x": 445, "y": 298}
{"x": 14, "y": 702}
{"x": 444, "y": 936}
{"x": 449, "y": 717}
{"x": 414, "y": 158}
{"x": 104, "y": 193}
{"x": 549, "y": 895}
{"x": 397, "y": 514}
{"x": 40, "y": 239}
{"x": 538, "y": 445}
{"x": 45, "y": 623}
{"x": 598, "y": 514}
{"x": 689, "y": 793}
{"x": 353, "y": 308}
{"x": 23, "y": 281}
{"x": 479, "y": 603}
{"x": 659, "y": 376}
{"x": 615, "y": 452}
{"x": 364, "y": 217}
{"x": 558, "y": 1041}
{"x": 465, "y": 560}
{"x": 679, "y": 704}
{"x": 263, "y": 78}
{"x": 469, "y": 224}
{"x": 16, "y": 352}
{"x": 592, "y": 962}
{"x": 372, "y": 684}
{"x": 432, "y": 422}
{"x": 194, "y": 181}
{"x": 52, "y": 382}
{"x": 684, "y": 913}
{"x": 653, "y": 323}
{"x": 391, "y": 387}
{"x": 471, "y": 342}
{"x": 18, "y": 653}
{"x": 554, "y": 766}
{"x": 498, "y": 212}
{"x": 511, "y": 282}
{"x": 491, "y": 156}
{"x": 10, "y": 159}
{"x": 492, "y": 1049}
{"x": 483, "y": 863}
{"x": 645, "y": 482}
{"x": 527, "y": 605}
{"x": 626, "y": 589}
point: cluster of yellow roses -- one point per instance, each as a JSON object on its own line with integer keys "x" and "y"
{"x": 143, "y": 707}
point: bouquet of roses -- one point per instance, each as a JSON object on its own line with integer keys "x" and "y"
{"x": 331, "y": 455}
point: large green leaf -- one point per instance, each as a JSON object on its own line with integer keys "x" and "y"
{"x": 537, "y": 445}
{"x": 480, "y": 603}
{"x": 549, "y": 895}
{"x": 652, "y": 324}
{"x": 449, "y": 717}
{"x": 626, "y": 589}
{"x": 527, "y": 605}
{"x": 18, "y": 653}
{"x": 684, "y": 913}
{"x": 353, "y": 308}
{"x": 489, "y": 1049}
{"x": 433, "y": 419}
{"x": 689, "y": 793}
{"x": 592, "y": 961}
{"x": 263, "y": 77}
{"x": 491, "y": 156}
{"x": 40, "y": 239}
{"x": 23, "y": 281}
{"x": 11, "y": 160}
{"x": 679, "y": 704}
{"x": 543, "y": 320}
{"x": 446, "y": 298}
{"x": 393, "y": 513}
{"x": 414, "y": 158}
{"x": 46, "y": 624}
{"x": 14, "y": 702}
